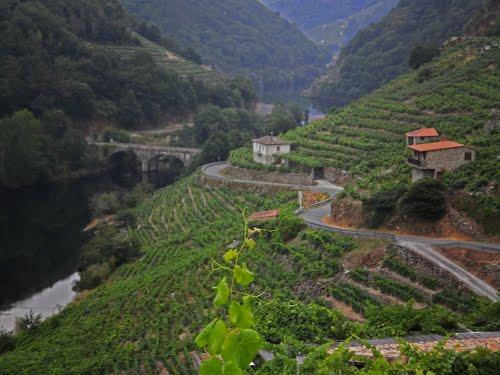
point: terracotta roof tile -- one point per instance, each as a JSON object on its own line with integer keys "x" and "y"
{"x": 435, "y": 146}
{"x": 270, "y": 140}
{"x": 424, "y": 132}
{"x": 264, "y": 215}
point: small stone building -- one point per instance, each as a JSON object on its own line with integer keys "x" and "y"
{"x": 425, "y": 135}
{"x": 266, "y": 150}
{"x": 432, "y": 159}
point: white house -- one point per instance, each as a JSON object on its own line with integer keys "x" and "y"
{"x": 266, "y": 150}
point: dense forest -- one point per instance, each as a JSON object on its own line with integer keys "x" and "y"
{"x": 380, "y": 52}
{"x": 239, "y": 37}
{"x": 67, "y": 66}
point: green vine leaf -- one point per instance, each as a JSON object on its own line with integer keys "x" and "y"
{"x": 222, "y": 296}
{"x": 230, "y": 255}
{"x": 250, "y": 244}
{"x": 231, "y": 368}
{"x": 241, "y": 315}
{"x": 241, "y": 347}
{"x": 203, "y": 337}
{"x": 243, "y": 275}
{"x": 212, "y": 366}
{"x": 217, "y": 337}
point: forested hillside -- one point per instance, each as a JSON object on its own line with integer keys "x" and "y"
{"x": 70, "y": 65}
{"x": 239, "y": 37}
{"x": 458, "y": 94}
{"x": 380, "y": 52}
{"x": 332, "y": 23}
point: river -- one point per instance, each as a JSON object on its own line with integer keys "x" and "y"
{"x": 41, "y": 237}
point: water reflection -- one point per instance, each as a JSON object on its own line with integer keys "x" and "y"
{"x": 41, "y": 237}
{"x": 47, "y": 302}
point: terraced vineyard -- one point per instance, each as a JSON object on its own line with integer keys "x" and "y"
{"x": 456, "y": 94}
{"x": 147, "y": 314}
{"x": 169, "y": 60}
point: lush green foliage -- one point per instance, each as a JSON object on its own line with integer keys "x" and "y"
{"x": 150, "y": 310}
{"x": 420, "y": 55}
{"x": 380, "y": 52}
{"x": 425, "y": 199}
{"x": 239, "y": 37}
{"x": 32, "y": 150}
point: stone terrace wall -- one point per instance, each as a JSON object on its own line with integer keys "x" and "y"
{"x": 268, "y": 176}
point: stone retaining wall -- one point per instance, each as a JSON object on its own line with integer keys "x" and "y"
{"x": 268, "y": 176}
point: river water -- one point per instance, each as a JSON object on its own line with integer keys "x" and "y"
{"x": 40, "y": 241}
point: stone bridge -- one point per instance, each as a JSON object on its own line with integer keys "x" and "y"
{"x": 147, "y": 154}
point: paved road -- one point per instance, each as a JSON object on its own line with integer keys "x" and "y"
{"x": 421, "y": 245}
{"x": 215, "y": 170}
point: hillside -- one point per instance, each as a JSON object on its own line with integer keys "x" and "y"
{"x": 381, "y": 51}
{"x": 148, "y": 313}
{"x": 332, "y": 23}
{"x": 239, "y": 37}
{"x": 458, "y": 94}
{"x": 70, "y": 68}
{"x": 338, "y": 33}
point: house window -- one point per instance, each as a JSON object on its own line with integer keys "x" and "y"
{"x": 422, "y": 138}
{"x": 278, "y": 149}
{"x": 468, "y": 156}
{"x": 410, "y": 140}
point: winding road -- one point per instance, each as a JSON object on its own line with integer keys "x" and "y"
{"x": 418, "y": 244}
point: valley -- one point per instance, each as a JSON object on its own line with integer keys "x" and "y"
{"x": 173, "y": 202}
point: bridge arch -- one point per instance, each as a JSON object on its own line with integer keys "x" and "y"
{"x": 146, "y": 153}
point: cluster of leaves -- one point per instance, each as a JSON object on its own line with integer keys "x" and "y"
{"x": 388, "y": 321}
{"x": 437, "y": 361}
{"x": 425, "y": 199}
{"x": 232, "y": 341}
{"x": 289, "y": 321}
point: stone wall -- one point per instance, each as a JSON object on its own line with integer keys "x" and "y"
{"x": 242, "y": 186}
{"x": 449, "y": 159}
{"x": 338, "y": 176}
{"x": 425, "y": 267}
{"x": 267, "y": 176}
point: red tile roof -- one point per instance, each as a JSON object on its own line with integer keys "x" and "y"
{"x": 264, "y": 215}
{"x": 425, "y": 132}
{"x": 436, "y": 146}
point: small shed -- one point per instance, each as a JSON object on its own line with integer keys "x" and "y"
{"x": 266, "y": 150}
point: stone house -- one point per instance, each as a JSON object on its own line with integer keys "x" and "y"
{"x": 432, "y": 159}
{"x": 425, "y": 135}
{"x": 266, "y": 150}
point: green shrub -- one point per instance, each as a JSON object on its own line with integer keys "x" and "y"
{"x": 93, "y": 276}
{"x": 425, "y": 199}
{"x": 28, "y": 322}
{"x": 6, "y": 341}
{"x": 105, "y": 204}
{"x": 383, "y": 203}
{"x": 405, "y": 319}
{"x": 116, "y": 135}
{"x": 281, "y": 321}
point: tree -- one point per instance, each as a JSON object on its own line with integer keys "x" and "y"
{"x": 130, "y": 112}
{"x": 22, "y": 146}
{"x": 280, "y": 120}
{"x": 422, "y": 55}
{"x": 425, "y": 199}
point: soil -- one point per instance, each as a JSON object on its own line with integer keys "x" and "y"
{"x": 346, "y": 310}
{"x": 483, "y": 264}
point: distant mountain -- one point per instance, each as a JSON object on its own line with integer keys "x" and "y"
{"x": 239, "y": 37}
{"x": 337, "y": 34}
{"x": 380, "y": 52}
{"x": 309, "y": 14}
